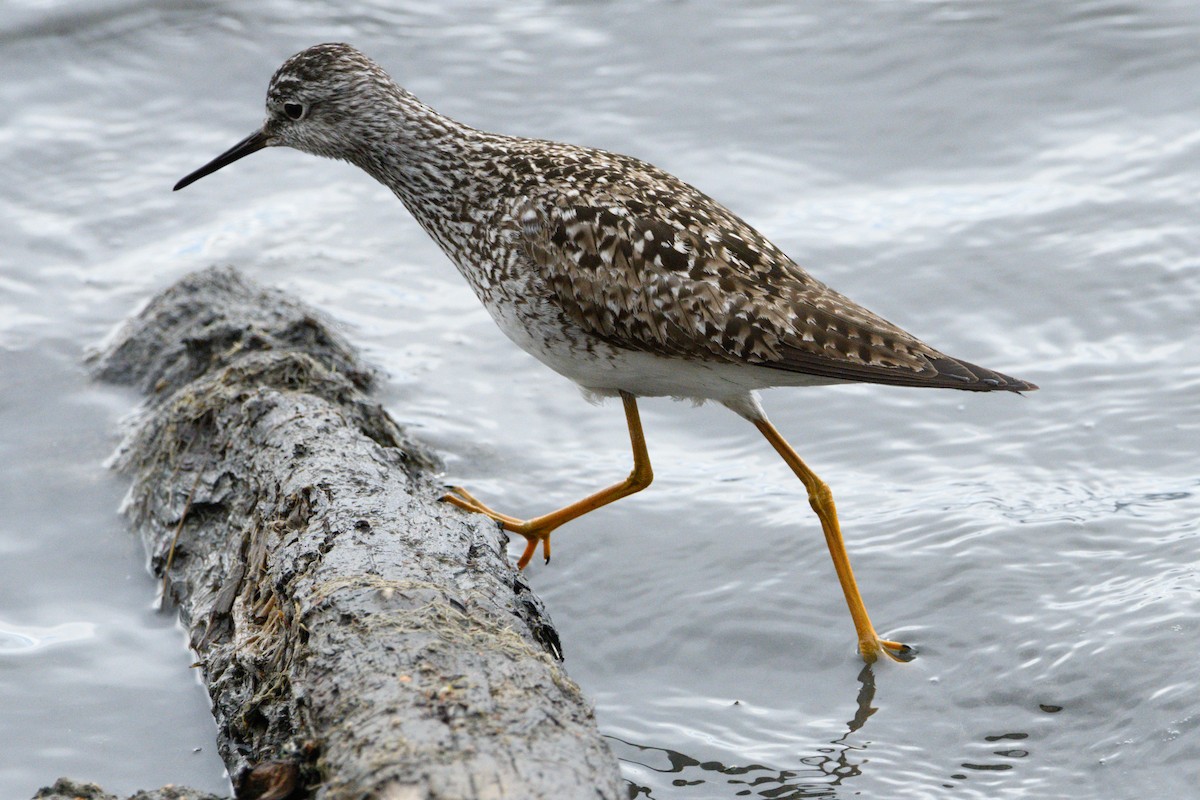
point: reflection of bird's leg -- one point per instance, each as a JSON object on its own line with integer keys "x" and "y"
{"x": 538, "y": 529}
{"x": 821, "y": 500}
{"x": 866, "y": 696}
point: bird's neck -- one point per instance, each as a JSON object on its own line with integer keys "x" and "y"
{"x": 424, "y": 157}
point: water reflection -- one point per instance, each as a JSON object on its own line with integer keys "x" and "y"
{"x": 823, "y": 772}
{"x": 827, "y": 772}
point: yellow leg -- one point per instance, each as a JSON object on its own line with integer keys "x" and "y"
{"x": 538, "y": 529}
{"x": 821, "y": 500}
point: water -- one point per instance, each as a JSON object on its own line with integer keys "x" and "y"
{"x": 1013, "y": 181}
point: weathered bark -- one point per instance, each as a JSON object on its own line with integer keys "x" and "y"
{"x": 346, "y": 622}
{"x": 66, "y": 789}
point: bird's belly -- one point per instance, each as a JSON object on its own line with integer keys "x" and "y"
{"x": 603, "y": 369}
{"x": 517, "y": 301}
{"x": 651, "y": 375}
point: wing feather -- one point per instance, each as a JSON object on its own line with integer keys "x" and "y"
{"x": 683, "y": 276}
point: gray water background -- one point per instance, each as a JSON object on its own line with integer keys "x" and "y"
{"x": 1015, "y": 182}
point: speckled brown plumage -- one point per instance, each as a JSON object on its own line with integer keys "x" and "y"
{"x": 647, "y": 262}
{"x": 612, "y": 272}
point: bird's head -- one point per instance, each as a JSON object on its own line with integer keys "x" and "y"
{"x": 328, "y": 100}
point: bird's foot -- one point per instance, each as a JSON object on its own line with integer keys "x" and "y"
{"x": 458, "y": 496}
{"x": 533, "y": 530}
{"x": 871, "y": 647}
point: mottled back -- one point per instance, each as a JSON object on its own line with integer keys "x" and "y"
{"x": 647, "y": 262}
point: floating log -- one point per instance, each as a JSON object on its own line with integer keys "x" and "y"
{"x": 357, "y": 637}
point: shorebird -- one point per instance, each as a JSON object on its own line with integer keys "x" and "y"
{"x": 609, "y": 270}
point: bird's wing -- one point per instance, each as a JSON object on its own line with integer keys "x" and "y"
{"x": 689, "y": 278}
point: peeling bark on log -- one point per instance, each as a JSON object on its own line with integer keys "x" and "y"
{"x": 345, "y": 621}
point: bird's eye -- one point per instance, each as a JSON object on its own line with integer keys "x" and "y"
{"x": 294, "y": 110}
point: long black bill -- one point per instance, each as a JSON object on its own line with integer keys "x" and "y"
{"x": 251, "y": 144}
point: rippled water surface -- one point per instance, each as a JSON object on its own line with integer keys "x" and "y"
{"x": 1015, "y": 182}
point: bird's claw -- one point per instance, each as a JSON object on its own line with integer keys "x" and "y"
{"x": 460, "y": 497}
{"x": 896, "y": 651}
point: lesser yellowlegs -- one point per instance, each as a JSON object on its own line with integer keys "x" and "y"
{"x": 610, "y": 271}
